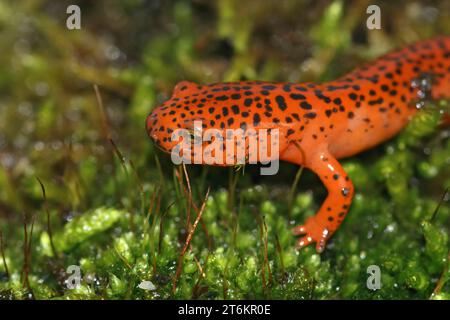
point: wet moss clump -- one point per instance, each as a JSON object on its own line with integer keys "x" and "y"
{"x": 90, "y": 209}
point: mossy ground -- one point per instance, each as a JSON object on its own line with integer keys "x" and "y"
{"x": 121, "y": 211}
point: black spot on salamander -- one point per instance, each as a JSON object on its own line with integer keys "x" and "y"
{"x": 222, "y": 98}
{"x": 281, "y": 102}
{"x": 321, "y": 96}
{"x": 335, "y": 176}
{"x": 328, "y": 112}
{"x": 305, "y": 105}
{"x": 310, "y": 115}
{"x": 350, "y": 115}
{"x": 353, "y": 96}
{"x": 297, "y": 96}
{"x": 393, "y": 92}
{"x": 256, "y": 119}
{"x": 235, "y": 109}
{"x": 375, "y": 102}
{"x": 248, "y": 102}
{"x": 225, "y": 111}
{"x": 373, "y": 79}
{"x": 235, "y": 96}
{"x": 337, "y": 101}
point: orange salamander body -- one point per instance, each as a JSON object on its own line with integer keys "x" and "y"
{"x": 318, "y": 123}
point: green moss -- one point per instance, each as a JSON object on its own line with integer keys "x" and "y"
{"x": 81, "y": 228}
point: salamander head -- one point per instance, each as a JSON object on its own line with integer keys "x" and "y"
{"x": 179, "y": 112}
{"x": 208, "y": 112}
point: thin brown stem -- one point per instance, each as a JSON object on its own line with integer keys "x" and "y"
{"x": 47, "y": 211}
{"x": 161, "y": 226}
{"x": 280, "y": 253}
{"x": 2, "y": 251}
{"x": 442, "y": 278}
{"x": 292, "y": 191}
{"x": 103, "y": 117}
{"x": 186, "y": 193}
{"x": 266, "y": 251}
{"x": 27, "y": 253}
{"x": 188, "y": 222}
{"x": 444, "y": 195}
{"x": 188, "y": 242}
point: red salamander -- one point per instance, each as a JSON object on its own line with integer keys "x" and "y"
{"x": 318, "y": 123}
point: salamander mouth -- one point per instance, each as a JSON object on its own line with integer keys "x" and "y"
{"x": 151, "y": 126}
{"x": 159, "y": 146}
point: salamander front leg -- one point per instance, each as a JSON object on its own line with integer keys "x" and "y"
{"x": 322, "y": 226}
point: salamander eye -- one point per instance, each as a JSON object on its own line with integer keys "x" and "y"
{"x": 186, "y": 88}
